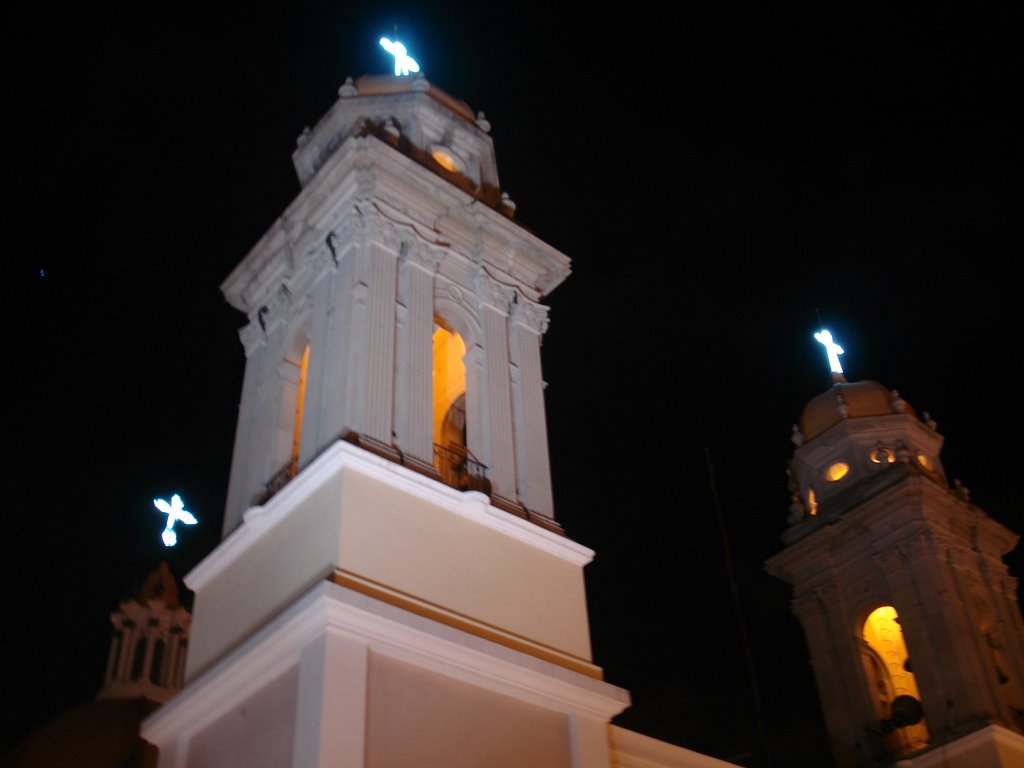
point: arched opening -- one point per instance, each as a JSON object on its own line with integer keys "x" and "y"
{"x": 892, "y": 683}
{"x": 139, "y": 658}
{"x": 157, "y": 664}
{"x": 449, "y": 382}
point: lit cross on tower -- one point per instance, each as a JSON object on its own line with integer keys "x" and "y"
{"x": 175, "y": 511}
{"x": 404, "y": 63}
{"x": 832, "y": 349}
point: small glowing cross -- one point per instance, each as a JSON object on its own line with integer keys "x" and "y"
{"x": 404, "y": 63}
{"x": 833, "y": 350}
{"x": 175, "y": 511}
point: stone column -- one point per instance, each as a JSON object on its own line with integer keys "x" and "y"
{"x": 835, "y": 654}
{"x": 263, "y": 459}
{"x": 254, "y": 341}
{"x": 316, "y": 432}
{"x": 378, "y": 274}
{"x": 529, "y": 323}
{"x": 414, "y": 374}
{"x": 494, "y": 301}
{"x": 920, "y": 590}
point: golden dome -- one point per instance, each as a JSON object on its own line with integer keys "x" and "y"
{"x": 849, "y": 401}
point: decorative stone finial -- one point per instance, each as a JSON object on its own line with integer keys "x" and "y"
{"x": 507, "y": 201}
{"x": 841, "y": 406}
{"x": 483, "y": 123}
{"x": 303, "y": 137}
{"x": 797, "y": 436}
{"x": 348, "y": 89}
{"x": 902, "y": 453}
{"x": 899, "y": 405}
{"x": 930, "y": 421}
{"x": 391, "y": 129}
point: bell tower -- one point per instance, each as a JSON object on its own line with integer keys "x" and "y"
{"x": 910, "y": 613}
{"x": 392, "y": 588}
{"x": 399, "y": 249}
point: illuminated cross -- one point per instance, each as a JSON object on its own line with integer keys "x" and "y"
{"x": 175, "y": 511}
{"x": 404, "y": 64}
{"x": 832, "y": 349}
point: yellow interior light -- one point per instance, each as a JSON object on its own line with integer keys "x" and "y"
{"x": 446, "y": 160}
{"x": 882, "y": 455}
{"x": 837, "y": 471}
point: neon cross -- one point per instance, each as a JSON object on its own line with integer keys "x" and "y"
{"x": 404, "y": 64}
{"x": 175, "y": 511}
{"x": 833, "y": 350}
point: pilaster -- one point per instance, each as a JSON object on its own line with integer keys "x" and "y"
{"x": 529, "y": 323}
{"x": 495, "y": 300}
{"x": 413, "y": 425}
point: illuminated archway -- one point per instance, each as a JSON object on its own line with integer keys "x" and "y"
{"x": 449, "y": 407}
{"x": 892, "y": 682}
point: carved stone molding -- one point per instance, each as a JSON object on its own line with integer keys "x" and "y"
{"x": 493, "y": 294}
{"x": 385, "y": 233}
{"x": 351, "y": 229}
{"x": 269, "y": 263}
{"x": 252, "y": 337}
{"x": 807, "y": 607}
{"x": 889, "y": 560}
{"x": 531, "y": 315}
{"x": 275, "y": 312}
{"x": 423, "y": 256}
{"x": 365, "y": 182}
{"x": 320, "y": 261}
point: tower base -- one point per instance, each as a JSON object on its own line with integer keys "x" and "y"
{"x": 991, "y": 747}
{"x": 340, "y": 678}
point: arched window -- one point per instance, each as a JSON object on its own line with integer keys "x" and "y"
{"x": 139, "y": 658}
{"x": 156, "y": 666}
{"x": 449, "y": 378}
{"x": 892, "y": 683}
{"x": 449, "y": 407}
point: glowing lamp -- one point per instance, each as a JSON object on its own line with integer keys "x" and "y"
{"x": 175, "y": 512}
{"x": 832, "y": 349}
{"x": 404, "y": 63}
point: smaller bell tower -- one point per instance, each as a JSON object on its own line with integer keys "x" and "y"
{"x": 910, "y": 612}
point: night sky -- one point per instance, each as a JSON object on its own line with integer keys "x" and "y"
{"x": 723, "y": 180}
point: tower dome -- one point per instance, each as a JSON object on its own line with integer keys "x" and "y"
{"x": 846, "y": 401}
{"x": 846, "y": 440}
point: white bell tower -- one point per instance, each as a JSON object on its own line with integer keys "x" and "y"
{"x": 392, "y": 588}
{"x": 400, "y": 231}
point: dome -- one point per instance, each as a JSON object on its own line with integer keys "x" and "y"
{"x": 861, "y": 398}
{"x": 102, "y": 734}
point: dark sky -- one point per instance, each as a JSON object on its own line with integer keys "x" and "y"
{"x": 720, "y": 178}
